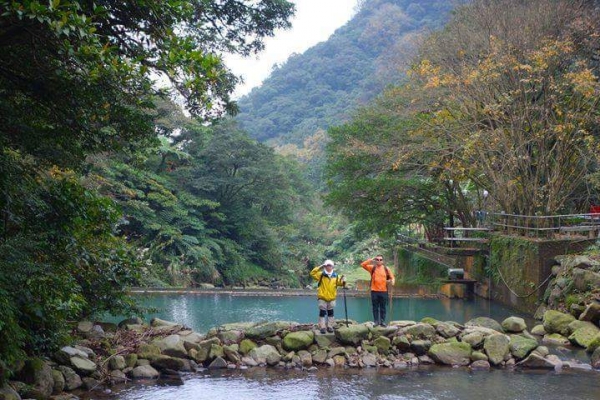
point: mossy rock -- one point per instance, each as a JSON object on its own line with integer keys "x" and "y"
{"x": 246, "y": 345}
{"x": 496, "y": 347}
{"x": 451, "y": 353}
{"x": 520, "y": 346}
{"x": 594, "y": 344}
{"x": 298, "y": 340}
{"x": 557, "y": 322}
{"x": 486, "y": 323}
{"x": 584, "y": 336}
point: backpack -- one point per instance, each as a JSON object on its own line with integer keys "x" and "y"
{"x": 387, "y": 273}
{"x": 333, "y": 275}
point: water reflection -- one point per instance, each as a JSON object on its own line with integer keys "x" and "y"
{"x": 432, "y": 383}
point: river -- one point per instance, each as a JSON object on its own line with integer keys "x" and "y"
{"x": 202, "y": 312}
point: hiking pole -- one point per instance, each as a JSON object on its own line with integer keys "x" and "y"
{"x": 391, "y": 299}
{"x": 345, "y": 304}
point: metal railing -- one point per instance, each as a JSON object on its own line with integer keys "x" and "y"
{"x": 544, "y": 226}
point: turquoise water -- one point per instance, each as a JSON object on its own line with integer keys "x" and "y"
{"x": 202, "y": 312}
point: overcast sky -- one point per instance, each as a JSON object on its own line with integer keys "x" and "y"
{"x": 314, "y": 22}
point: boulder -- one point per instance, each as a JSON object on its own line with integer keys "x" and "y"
{"x": 320, "y": 356}
{"x": 595, "y": 359}
{"x": 584, "y": 336}
{"x": 457, "y": 353}
{"x": 535, "y": 361}
{"x": 246, "y": 345}
{"x": 480, "y": 365}
{"x": 148, "y": 351}
{"x": 336, "y": 351}
{"x": 486, "y": 323}
{"x": 130, "y": 321}
{"x": 573, "y": 326}
{"x": 63, "y": 356}
{"x": 85, "y": 326}
{"x": 163, "y": 362}
{"x": 401, "y": 342}
{"x": 324, "y": 340}
{"x": 305, "y": 358}
{"x": 591, "y": 313}
{"x": 83, "y": 366}
{"x": 352, "y": 334}
{"x": 265, "y": 354}
{"x": 117, "y": 376}
{"x": 232, "y": 336}
{"x": 218, "y": 363}
{"x": 514, "y": 324}
{"x": 520, "y": 346}
{"x": 267, "y": 329}
{"x": 584, "y": 280}
{"x": 593, "y": 344}
{"x": 475, "y": 339}
{"x": 557, "y": 322}
{"x": 117, "y": 362}
{"x": 172, "y": 345}
{"x": 38, "y": 375}
{"x": 298, "y": 340}
{"x": 555, "y": 339}
{"x": 419, "y": 331}
{"x": 232, "y": 354}
{"x": 496, "y": 348}
{"x": 368, "y": 360}
{"x": 144, "y": 372}
{"x": 478, "y": 355}
{"x": 157, "y": 322}
{"x": 538, "y": 330}
{"x": 59, "y": 381}
{"x": 72, "y": 380}
{"x": 420, "y": 347}
{"x": 383, "y": 344}
{"x": 447, "y": 330}
{"x": 131, "y": 360}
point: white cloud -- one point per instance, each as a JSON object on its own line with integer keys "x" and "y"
{"x": 314, "y": 22}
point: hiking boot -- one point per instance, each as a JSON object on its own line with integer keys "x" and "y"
{"x": 322, "y": 325}
{"x": 329, "y": 329}
{"x": 383, "y": 324}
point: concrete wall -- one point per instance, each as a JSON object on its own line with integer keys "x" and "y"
{"x": 516, "y": 267}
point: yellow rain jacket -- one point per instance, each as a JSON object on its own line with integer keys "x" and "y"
{"x": 327, "y": 289}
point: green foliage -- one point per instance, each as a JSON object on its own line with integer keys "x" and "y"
{"x": 322, "y": 86}
{"x": 417, "y": 270}
{"x": 57, "y": 247}
{"x": 77, "y": 76}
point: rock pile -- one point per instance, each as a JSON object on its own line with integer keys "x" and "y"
{"x": 163, "y": 350}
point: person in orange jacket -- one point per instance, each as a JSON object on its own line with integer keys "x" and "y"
{"x": 380, "y": 277}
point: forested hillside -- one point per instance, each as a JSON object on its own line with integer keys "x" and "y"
{"x": 322, "y": 86}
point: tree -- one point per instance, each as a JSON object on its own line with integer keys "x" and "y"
{"x": 78, "y": 77}
{"x": 516, "y": 110}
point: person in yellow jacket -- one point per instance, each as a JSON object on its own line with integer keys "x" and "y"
{"x": 381, "y": 276}
{"x": 329, "y": 281}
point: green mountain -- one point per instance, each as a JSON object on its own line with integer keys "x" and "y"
{"x": 322, "y": 86}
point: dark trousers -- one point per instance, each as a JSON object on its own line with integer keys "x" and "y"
{"x": 379, "y": 301}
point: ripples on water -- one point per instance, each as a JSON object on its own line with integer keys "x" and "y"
{"x": 201, "y": 312}
{"x": 432, "y": 383}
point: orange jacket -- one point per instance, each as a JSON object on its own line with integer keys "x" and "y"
{"x": 379, "y": 277}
